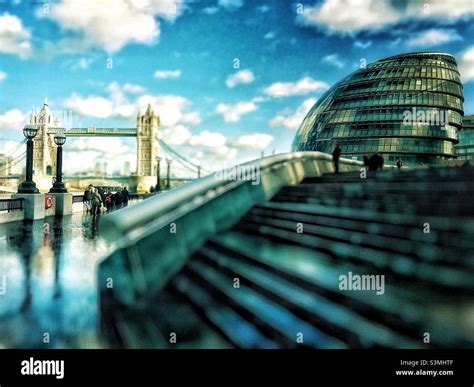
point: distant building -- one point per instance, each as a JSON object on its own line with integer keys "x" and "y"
{"x": 406, "y": 107}
{"x": 126, "y": 168}
{"x": 98, "y": 168}
{"x": 5, "y": 165}
{"x": 465, "y": 148}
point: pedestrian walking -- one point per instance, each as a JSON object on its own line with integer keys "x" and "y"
{"x": 96, "y": 202}
{"x": 125, "y": 196}
{"x": 87, "y": 198}
{"x": 336, "y": 153}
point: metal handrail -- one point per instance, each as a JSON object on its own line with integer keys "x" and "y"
{"x": 10, "y": 205}
{"x": 119, "y": 224}
{"x": 77, "y": 198}
{"x": 145, "y": 254}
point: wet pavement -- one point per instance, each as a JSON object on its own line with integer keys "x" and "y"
{"x": 48, "y": 287}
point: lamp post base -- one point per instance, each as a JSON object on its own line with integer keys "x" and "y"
{"x": 63, "y": 203}
{"x": 58, "y": 187}
{"x": 33, "y": 206}
{"x": 28, "y": 187}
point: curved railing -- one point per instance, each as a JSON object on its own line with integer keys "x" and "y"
{"x": 154, "y": 238}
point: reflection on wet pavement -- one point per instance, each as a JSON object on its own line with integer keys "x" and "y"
{"x": 48, "y": 295}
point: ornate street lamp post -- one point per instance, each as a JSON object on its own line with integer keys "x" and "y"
{"x": 29, "y": 186}
{"x": 58, "y": 185}
{"x": 158, "y": 182}
{"x": 168, "y": 162}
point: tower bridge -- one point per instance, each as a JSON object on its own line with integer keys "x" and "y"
{"x": 146, "y": 132}
{"x": 149, "y": 147}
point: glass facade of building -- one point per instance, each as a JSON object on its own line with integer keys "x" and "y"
{"x": 406, "y": 107}
{"x": 465, "y": 148}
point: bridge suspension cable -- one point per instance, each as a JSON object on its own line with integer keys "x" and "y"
{"x": 181, "y": 162}
{"x": 17, "y": 160}
{"x": 190, "y": 165}
{"x": 13, "y": 150}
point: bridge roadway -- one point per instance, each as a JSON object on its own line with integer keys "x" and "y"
{"x": 96, "y": 132}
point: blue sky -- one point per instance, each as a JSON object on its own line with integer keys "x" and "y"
{"x": 229, "y": 78}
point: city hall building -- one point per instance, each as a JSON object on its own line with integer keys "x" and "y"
{"x": 465, "y": 148}
{"x": 406, "y": 107}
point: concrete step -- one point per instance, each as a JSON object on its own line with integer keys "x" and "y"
{"x": 325, "y": 314}
{"x": 273, "y": 319}
{"x": 408, "y": 311}
{"x": 421, "y": 204}
{"x": 426, "y": 175}
{"x": 361, "y": 234}
{"x": 400, "y": 267}
{"x": 223, "y": 319}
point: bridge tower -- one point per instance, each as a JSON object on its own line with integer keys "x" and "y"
{"x": 148, "y": 126}
{"x": 44, "y": 158}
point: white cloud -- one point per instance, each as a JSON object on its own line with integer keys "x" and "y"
{"x": 233, "y": 113}
{"x": 333, "y": 59}
{"x": 363, "y": 45}
{"x": 176, "y": 135}
{"x": 92, "y": 106}
{"x": 133, "y": 89}
{"x": 165, "y": 74}
{"x": 109, "y": 145}
{"x": 208, "y": 139}
{"x": 207, "y": 148}
{"x": 165, "y": 9}
{"x": 172, "y": 109}
{"x": 210, "y": 10}
{"x": 348, "y": 15}
{"x": 82, "y": 64}
{"x": 466, "y": 65}
{"x": 169, "y": 107}
{"x": 192, "y": 118}
{"x": 293, "y": 119}
{"x": 14, "y": 38}
{"x": 12, "y": 120}
{"x": 98, "y": 106}
{"x": 112, "y": 24}
{"x": 239, "y": 78}
{"x": 256, "y": 141}
{"x": 230, "y": 4}
{"x": 448, "y": 10}
{"x": 353, "y": 16}
{"x": 221, "y": 153}
{"x": 81, "y": 154}
{"x": 259, "y": 99}
{"x": 7, "y": 147}
{"x": 433, "y": 37}
{"x": 270, "y": 35}
{"x": 125, "y": 110}
{"x": 3, "y": 75}
{"x": 211, "y": 158}
{"x": 301, "y": 87}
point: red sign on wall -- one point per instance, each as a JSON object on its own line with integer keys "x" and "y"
{"x": 48, "y": 201}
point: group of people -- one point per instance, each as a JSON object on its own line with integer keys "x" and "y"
{"x": 99, "y": 198}
{"x": 373, "y": 163}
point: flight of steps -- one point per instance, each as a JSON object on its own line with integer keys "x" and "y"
{"x": 272, "y": 281}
